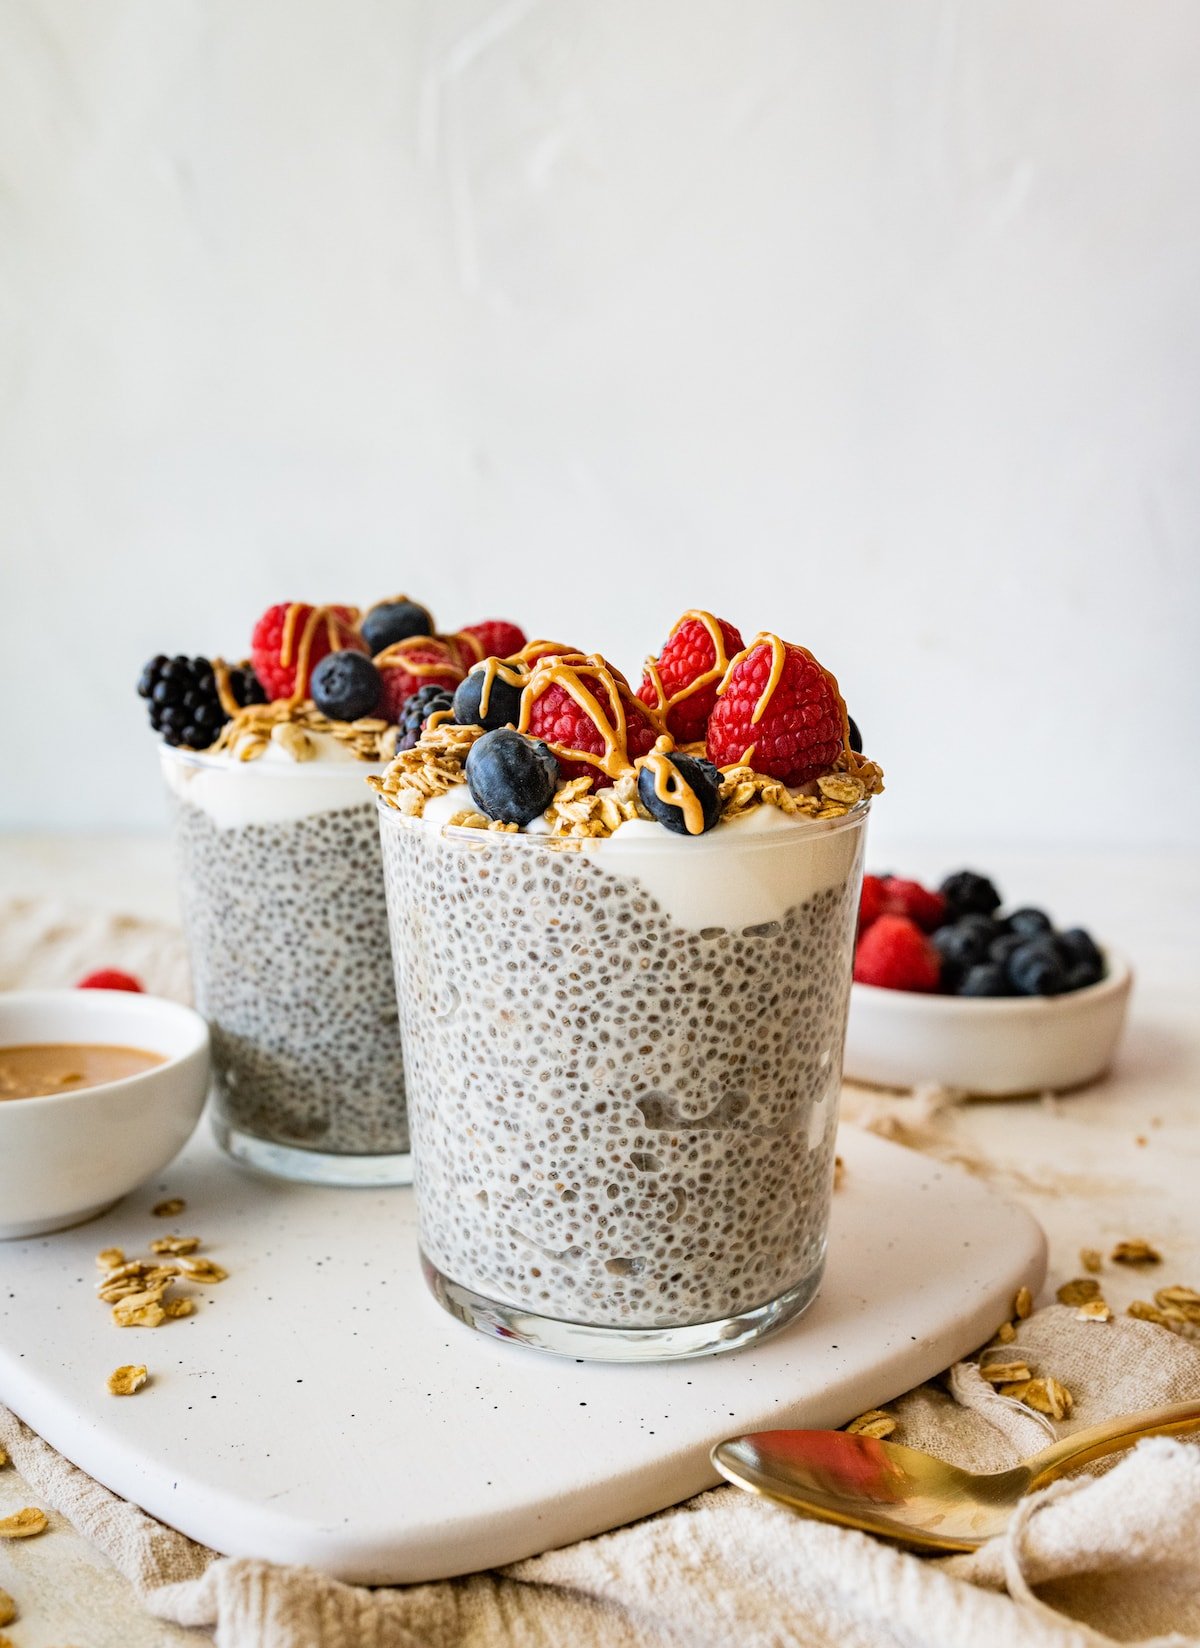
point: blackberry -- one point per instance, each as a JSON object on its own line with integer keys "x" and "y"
{"x": 183, "y": 701}
{"x": 511, "y": 777}
{"x": 855, "y": 735}
{"x": 700, "y": 776}
{"x": 417, "y": 710}
{"x": 393, "y": 621}
{"x": 969, "y": 894}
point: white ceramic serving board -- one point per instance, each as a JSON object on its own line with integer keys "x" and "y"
{"x": 320, "y": 1408}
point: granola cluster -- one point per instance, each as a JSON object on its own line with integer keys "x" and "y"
{"x": 580, "y": 811}
{"x": 296, "y": 729}
{"x": 434, "y": 765}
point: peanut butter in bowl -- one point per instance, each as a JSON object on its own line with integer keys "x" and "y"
{"x": 35, "y": 1070}
{"x": 99, "y": 1090}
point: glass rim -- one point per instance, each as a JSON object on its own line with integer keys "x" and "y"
{"x": 322, "y": 771}
{"x": 798, "y": 830}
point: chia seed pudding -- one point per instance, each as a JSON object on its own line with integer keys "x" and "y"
{"x": 280, "y": 881}
{"x": 624, "y": 971}
{"x": 624, "y": 1109}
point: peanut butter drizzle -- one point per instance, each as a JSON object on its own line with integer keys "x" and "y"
{"x": 532, "y": 651}
{"x": 715, "y": 673}
{"x": 672, "y": 788}
{"x": 299, "y": 653}
{"x": 398, "y": 656}
{"x": 493, "y": 669}
{"x": 854, "y": 762}
{"x": 225, "y": 696}
{"x": 567, "y": 672}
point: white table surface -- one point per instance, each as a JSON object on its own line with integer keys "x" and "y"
{"x": 1117, "y": 1160}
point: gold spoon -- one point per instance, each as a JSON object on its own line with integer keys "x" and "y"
{"x": 884, "y": 1488}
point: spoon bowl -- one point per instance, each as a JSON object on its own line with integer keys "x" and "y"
{"x": 900, "y": 1493}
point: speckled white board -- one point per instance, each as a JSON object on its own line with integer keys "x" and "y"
{"x": 320, "y": 1408}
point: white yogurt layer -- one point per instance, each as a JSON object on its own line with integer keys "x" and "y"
{"x": 745, "y": 871}
{"x": 274, "y": 788}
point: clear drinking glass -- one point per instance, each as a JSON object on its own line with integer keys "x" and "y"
{"x": 281, "y": 887}
{"x": 623, "y": 1074}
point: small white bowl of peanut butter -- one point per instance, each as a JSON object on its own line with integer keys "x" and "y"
{"x": 99, "y": 1089}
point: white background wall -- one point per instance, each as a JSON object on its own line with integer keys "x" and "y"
{"x": 876, "y": 324}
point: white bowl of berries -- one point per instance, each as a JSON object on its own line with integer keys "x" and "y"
{"x": 950, "y": 991}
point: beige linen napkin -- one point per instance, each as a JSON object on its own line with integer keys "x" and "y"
{"x": 1102, "y": 1558}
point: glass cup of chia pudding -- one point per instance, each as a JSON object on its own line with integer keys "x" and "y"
{"x": 623, "y": 1041}
{"x": 280, "y": 883}
{"x": 280, "y": 873}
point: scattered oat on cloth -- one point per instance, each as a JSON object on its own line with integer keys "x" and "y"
{"x": 1098, "y": 1559}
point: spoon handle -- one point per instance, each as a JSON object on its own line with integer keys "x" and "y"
{"x": 1122, "y": 1432}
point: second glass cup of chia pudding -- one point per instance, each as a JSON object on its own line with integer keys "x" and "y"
{"x": 281, "y": 880}
{"x": 623, "y": 974}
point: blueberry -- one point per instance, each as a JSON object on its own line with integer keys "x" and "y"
{"x": 986, "y": 979}
{"x": 394, "y": 621}
{"x": 1080, "y": 974}
{"x": 1000, "y": 949}
{"x": 966, "y": 893}
{"x": 503, "y": 701}
{"x": 1034, "y": 969}
{"x": 511, "y": 777}
{"x": 345, "y": 686}
{"x": 700, "y": 776}
{"x": 964, "y": 943}
{"x": 855, "y": 735}
{"x": 418, "y": 707}
{"x": 1076, "y": 945}
{"x": 1029, "y": 923}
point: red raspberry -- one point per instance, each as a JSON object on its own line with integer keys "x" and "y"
{"x": 496, "y": 638}
{"x": 799, "y": 734}
{"x": 333, "y": 631}
{"x": 466, "y": 650}
{"x": 534, "y": 651}
{"x": 894, "y": 953}
{"x": 692, "y": 654}
{"x": 110, "y": 978}
{"x": 909, "y": 898}
{"x": 420, "y": 661}
{"x": 873, "y": 902}
{"x": 557, "y": 719}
